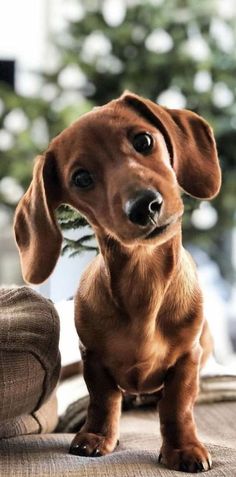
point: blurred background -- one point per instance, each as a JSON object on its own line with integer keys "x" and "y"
{"x": 59, "y": 58}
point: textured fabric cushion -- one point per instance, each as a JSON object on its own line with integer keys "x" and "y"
{"x": 136, "y": 456}
{"x": 29, "y": 362}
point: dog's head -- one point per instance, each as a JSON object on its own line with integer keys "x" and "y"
{"x": 122, "y": 166}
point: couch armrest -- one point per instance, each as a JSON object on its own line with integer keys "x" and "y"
{"x": 29, "y": 360}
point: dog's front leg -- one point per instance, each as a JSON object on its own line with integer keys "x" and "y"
{"x": 181, "y": 449}
{"x": 100, "y": 433}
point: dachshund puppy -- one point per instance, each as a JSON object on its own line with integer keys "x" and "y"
{"x": 138, "y": 310}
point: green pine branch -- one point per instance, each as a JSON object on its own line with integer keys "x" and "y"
{"x": 75, "y": 247}
{"x": 70, "y": 219}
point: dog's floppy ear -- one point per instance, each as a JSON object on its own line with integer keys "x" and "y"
{"x": 36, "y": 231}
{"x": 190, "y": 142}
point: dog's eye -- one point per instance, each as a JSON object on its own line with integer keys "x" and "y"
{"x": 143, "y": 142}
{"x": 82, "y": 179}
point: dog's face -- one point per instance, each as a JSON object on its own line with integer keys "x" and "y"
{"x": 116, "y": 170}
{"x": 122, "y": 166}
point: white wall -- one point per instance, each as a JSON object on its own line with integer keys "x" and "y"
{"x": 23, "y": 37}
{"x": 64, "y": 281}
{"x": 22, "y": 32}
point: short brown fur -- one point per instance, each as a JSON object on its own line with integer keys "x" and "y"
{"x": 138, "y": 310}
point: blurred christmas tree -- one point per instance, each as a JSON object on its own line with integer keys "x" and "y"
{"x": 180, "y": 53}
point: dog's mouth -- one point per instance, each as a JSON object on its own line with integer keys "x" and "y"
{"x": 159, "y": 230}
{"x": 156, "y": 232}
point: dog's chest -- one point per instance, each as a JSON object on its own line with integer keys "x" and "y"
{"x": 138, "y": 363}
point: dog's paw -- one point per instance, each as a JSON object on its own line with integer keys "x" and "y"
{"x": 88, "y": 444}
{"x": 193, "y": 458}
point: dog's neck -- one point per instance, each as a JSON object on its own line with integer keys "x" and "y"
{"x": 139, "y": 276}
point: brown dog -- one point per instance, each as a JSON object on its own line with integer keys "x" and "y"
{"x": 139, "y": 307}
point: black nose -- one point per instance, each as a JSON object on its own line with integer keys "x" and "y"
{"x": 144, "y": 207}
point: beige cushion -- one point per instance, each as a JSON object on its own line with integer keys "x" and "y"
{"x": 47, "y": 455}
{"x": 29, "y": 362}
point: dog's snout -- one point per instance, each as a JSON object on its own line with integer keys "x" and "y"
{"x": 144, "y": 207}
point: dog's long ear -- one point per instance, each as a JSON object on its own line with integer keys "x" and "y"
{"x": 190, "y": 142}
{"x": 36, "y": 231}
